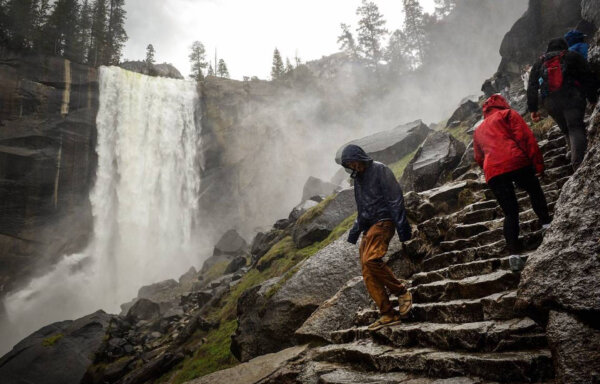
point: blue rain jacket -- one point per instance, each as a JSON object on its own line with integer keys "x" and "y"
{"x": 576, "y": 41}
{"x": 378, "y": 196}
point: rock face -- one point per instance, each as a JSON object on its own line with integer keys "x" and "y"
{"x": 467, "y": 113}
{"x": 433, "y": 162}
{"x": 59, "y": 353}
{"x": 528, "y": 38}
{"x": 267, "y": 324}
{"x": 161, "y": 70}
{"x": 563, "y": 273}
{"x": 590, "y": 11}
{"x": 310, "y": 230}
{"x": 48, "y": 108}
{"x": 390, "y": 146}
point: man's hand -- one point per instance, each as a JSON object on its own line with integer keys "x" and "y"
{"x": 535, "y": 117}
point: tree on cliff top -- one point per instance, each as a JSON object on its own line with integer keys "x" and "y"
{"x": 414, "y": 30}
{"x": 398, "y": 53}
{"x": 96, "y": 53}
{"x": 150, "y": 54}
{"x": 116, "y": 35}
{"x": 346, "y": 41}
{"x": 371, "y": 30}
{"x": 222, "y": 69}
{"x": 61, "y": 30}
{"x": 277, "y": 69}
{"x": 198, "y": 60}
{"x": 211, "y": 71}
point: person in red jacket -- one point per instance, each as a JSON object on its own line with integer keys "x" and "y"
{"x": 506, "y": 149}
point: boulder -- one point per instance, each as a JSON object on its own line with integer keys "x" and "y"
{"x": 266, "y": 323}
{"x": 433, "y": 162}
{"x": 160, "y": 70}
{"x": 467, "y": 161}
{"x": 231, "y": 243}
{"x": 390, "y": 146}
{"x": 575, "y": 347}
{"x": 263, "y": 241}
{"x": 529, "y": 36}
{"x": 317, "y": 187}
{"x": 59, "y": 353}
{"x": 301, "y": 208}
{"x": 143, "y": 309}
{"x": 309, "y": 230}
{"x": 467, "y": 113}
{"x": 590, "y": 11}
{"x": 333, "y": 314}
{"x": 235, "y": 265}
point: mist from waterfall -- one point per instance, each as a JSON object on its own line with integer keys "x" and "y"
{"x": 144, "y": 205}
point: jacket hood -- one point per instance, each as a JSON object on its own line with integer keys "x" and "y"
{"x": 558, "y": 44}
{"x": 573, "y": 37}
{"x": 494, "y": 103}
{"x": 355, "y": 153}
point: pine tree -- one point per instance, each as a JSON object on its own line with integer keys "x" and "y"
{"x": 443, "y": 8}
{"x": 19, "y": 26}
{"x": 150, "y": 54}
{"x": 297, "y": 60}
{"x": 397, "y": 53}
{"x": 414, "y": 29}
{"x": 40, "y": 20}
{"x": 3, "y": 23}
{"x": 371, "y": 30}
{"x": 346, "y": 41}
{"x": 288, "y": 65}
{"x": 96, "y": 53}
{"x": 222, "y": 69}
{"x": 85, "y": 30}
{"x": 211, "y": 71}
{"x": 116, "y": 35}
{"x": 198, "y": 60}
{"x": 277, "y": 69}
{"x": 61, "y": 29}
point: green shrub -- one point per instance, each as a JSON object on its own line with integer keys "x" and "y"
{"x": 51, "y": 340}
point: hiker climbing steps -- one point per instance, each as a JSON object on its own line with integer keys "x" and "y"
{"x": 464, "y": 323}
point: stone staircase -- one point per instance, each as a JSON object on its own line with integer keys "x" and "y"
{"x": 464, "y": 327}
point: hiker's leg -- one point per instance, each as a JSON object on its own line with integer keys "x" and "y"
{"x": 527, "y": 180}
{"x": 577, "y": 135}
{"x": 373, "y": 248}
{"x": 504, "y": 190}
{"x": 554, "y": 106}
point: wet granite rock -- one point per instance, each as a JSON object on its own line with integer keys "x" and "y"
{"x": 390, "y": 146}
{"x": 433, "y": 163}
{"x": 317, "y": 187}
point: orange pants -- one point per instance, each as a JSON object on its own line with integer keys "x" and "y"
{"x": 376, "y": 274}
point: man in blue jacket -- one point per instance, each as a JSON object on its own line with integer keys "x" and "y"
{"x": 380, "y": 214}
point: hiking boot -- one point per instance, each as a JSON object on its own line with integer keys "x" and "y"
{"x": 405, "y": 302}
{"x": 385, "y": 321}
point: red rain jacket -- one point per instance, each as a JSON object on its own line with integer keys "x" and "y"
{"x": 504, "y": 142}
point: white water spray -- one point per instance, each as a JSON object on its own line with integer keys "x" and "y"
{"x": 144, "y": 203}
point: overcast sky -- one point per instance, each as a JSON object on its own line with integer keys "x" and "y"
{"x": 244, "y": 32}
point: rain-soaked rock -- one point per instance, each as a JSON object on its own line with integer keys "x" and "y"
{"x": 263, "y": 241}
{"x": 236, "y": 264}
{"x": 390, "y": 146}
{"x": 317, "y": 187}
{"x": 301, "y": 208}
{"x": 590, "y": 11}
{"x": 575, "y": 347}
{"x": 231, "y": 243}
{"x": 332, "y": 315}
{"x": 267, "y": 324}
{"x": 59, "y": 353}
{"x": 309, "y": 230}
{"x": 433, "y": 162}
{"x": 143, "y": 309}
{"x": 467, "y": 113}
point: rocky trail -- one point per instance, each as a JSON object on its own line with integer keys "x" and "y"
{"x": 464, "y": 326}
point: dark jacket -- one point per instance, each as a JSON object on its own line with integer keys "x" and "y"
{"x": 378, "y": 196}
{"x": 504, "y": 142}
{"x": 578, "y": 75}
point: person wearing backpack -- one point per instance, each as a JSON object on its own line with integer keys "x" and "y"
{"x": 506, "y": 149}
{"x": 576, "y": 41}
{"x": 564, "y": 80}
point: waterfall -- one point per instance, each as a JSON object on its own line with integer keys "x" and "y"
{"x": 144, "y": 204}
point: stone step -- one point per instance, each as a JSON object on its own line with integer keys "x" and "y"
{"x": 556, "y": 161}
{"x": 487, "y": 237}
{"x": 562, "y": 151}
{"x": 554, "y": 143}
{"x": 481, "y": 215}
{"x": 506, "y": 367}
{"x": 530, "y": 241}
{"x": 483, "y": 336}
{"x": 468, "y": 288}
{"x": 461, "y": 271}
{"x": 499, "y": 306}
{"x": 342, "y": 375}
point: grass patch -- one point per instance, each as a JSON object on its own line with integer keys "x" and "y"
{"x": 215, "y": 355}
{"x": 215, "y": 271}
{"x": 399, "y": 166}
{"x": 315, "y": 211}
{"x": 210, "y": 357}
{"x": 460, "y": 134}
{"x": 51, "y": 340}
{"x": 542, "y": 127}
